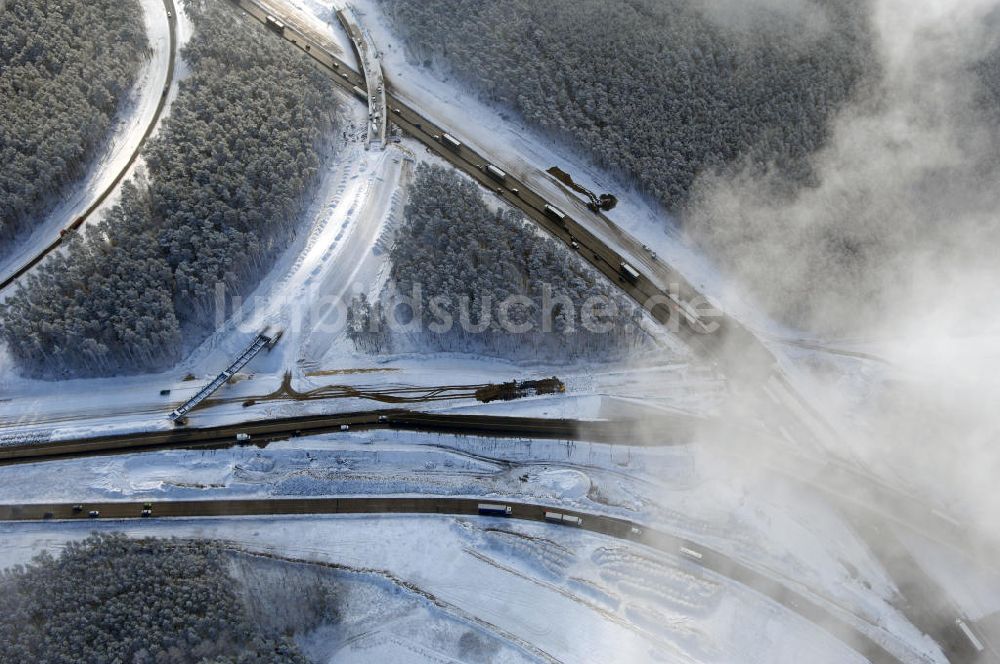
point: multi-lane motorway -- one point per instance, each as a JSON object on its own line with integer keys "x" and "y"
{"x": 731, "y": 343}
{"x": 695, "y": 554}
{"x": 673, "y": 429}
{"x": 710, "y": 333}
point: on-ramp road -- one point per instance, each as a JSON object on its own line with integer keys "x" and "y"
{"x": 31, "y": 261}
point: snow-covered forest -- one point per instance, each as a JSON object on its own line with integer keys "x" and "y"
{"x": 902, "y": 216}
{"x": 65, "y": 69}
{"x": 109, "y": 598}
{"x": 655, "y": 90}
{"x": 454, "y": 246}
{"x": 227, "y": 179}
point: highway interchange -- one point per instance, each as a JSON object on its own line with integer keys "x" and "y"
{"x": 665, "y": 306}
{"x": 744, "y": 359}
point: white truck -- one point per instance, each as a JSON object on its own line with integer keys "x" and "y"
{"x": 564, "y": 519}
{"x": 494, "y": 509}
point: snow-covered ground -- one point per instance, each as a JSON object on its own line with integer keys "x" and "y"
{"x": 527, "y": 154}
{"x": 554, "y": 595}
{"x": 126, "y": 133}
{"x": 342, "y": 251}
{"x": 643, "y": 604}
{"x": 377, "y": 618}
{"x": 763, "y": 521}
{"x": 73, "y": 409}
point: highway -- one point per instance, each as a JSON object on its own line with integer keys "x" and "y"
{"x": 677, "y": 429}
{"x": 739, "y": 352}
{"x": 96, "y": 203}
{"x": 693, "y": 553}
{"x": 928, "y": 605}
{"x": 663, "y": 306}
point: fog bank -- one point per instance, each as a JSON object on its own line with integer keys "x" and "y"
{"x": 895, "y": 243}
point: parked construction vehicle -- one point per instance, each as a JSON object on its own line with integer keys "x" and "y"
{"x": 594, "y": 202}
{"x": 518, "y": 389}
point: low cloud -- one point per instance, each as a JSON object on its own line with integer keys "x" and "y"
{"x": 904, "y": 187}
{"x": 896, "y": 240}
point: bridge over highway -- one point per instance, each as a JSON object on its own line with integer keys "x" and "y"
{"x": 374, "y": 90}
{"x": 260, "y": 342}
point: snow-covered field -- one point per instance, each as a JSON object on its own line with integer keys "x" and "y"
{"x": 341, "y": 252}
{"x": 762, "y": 521}
{"x": 525, "y": 591}
{"x": 575, "y": 597}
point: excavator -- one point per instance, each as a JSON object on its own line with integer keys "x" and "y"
{"x": 594, "y": 202}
